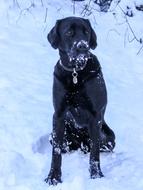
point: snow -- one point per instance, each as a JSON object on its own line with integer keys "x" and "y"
{"x": 26, "y": 67}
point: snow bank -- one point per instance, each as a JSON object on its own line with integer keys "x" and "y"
{"x": 27, "y": 62}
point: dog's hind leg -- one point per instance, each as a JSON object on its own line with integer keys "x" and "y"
{"x": 107, "y": 138}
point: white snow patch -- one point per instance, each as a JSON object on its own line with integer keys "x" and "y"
{"x": 26, "y": 74}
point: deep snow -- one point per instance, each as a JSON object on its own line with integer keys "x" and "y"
{"x": 26, "y": 67}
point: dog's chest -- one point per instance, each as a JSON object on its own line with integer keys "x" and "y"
{"x": 74, "y": 98}
{"x": 78, "y": 104}
{"x": 76, "y": 95}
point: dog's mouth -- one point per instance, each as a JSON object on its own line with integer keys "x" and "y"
{"x": 78, "y": 60}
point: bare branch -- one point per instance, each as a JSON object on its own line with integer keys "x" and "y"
{"x": 46, "y": 15}
{"x": 15, "y": 3}
{"x": 140, "y": 50}
{"x": 42, "y": 3}
{"x": 28, "y": 9}
{"x": 125, "y": 36}
{"x": 133, "y": 33}
{"x": 74, "y": 7}
{"x": 87, "y": 9}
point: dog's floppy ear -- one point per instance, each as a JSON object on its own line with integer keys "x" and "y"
{"x": 53, "y": 36}
{"x": 93, "y": 37}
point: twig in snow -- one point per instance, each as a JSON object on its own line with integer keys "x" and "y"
{"x": 42, "y": 3}
{"x": 45, "y": 20}
{"x": 133, "y": 33}
{"x": 139, "y": 40}
{"x": 15, "y": 3}
{"x": 140, "y": 50}
{"x": 26, "y": 9}
{"x": 74, "y": 7}
{"x": 87, "y": 9}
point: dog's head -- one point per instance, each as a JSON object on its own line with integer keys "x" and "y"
{"x": 75, "y": 37}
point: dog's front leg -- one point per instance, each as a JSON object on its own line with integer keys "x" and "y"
{"x": 94, "y": 132}
{"x": 54, "y": 176}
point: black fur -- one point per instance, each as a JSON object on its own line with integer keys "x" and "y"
{"x": 78, "y": 121}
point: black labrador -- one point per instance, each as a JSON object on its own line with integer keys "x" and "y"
{"x": 79, "y": 97}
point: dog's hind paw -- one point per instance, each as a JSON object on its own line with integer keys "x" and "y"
{"x": 107, "y": 147}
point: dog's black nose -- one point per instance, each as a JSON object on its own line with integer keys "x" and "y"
{"x": 82, "y": 46}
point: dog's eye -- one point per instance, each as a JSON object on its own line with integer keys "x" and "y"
{"x": 69, "y": 33}
{"x": 86, "y": 32}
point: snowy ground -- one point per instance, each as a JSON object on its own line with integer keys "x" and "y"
{"x": 26, "y": 67}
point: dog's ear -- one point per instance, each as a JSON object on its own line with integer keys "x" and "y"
{"x": 53, "y": 36}
{"x": 93, "y": 37}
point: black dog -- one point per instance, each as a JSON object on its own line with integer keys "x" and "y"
{"x": 79, "y": 96}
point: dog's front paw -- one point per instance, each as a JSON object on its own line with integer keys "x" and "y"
{"x": 52, "y": 181}
{"x": 95, "y": 171}
{"x": 54, "y": 177}
{"x": 96, "y": 174}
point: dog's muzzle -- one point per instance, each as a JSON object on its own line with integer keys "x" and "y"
{"x": 79, "y": 54}
{"x": 82, "y": 46}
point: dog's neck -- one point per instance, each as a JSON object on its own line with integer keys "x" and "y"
{"x": 64, "y": 60}
{"x": 64, "y": 57}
